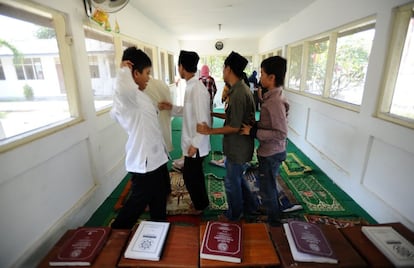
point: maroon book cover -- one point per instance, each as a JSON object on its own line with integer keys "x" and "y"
{"x": 82, "y": 247}
{"x": 222, "y": 241}
{"x": 310, "y": 239}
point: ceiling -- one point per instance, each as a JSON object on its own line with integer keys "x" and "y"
{"x": 201, "y": 20}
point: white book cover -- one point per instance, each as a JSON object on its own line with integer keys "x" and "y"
{"x": 304, "y": 257}
{"x": 148, "y": 241}
{"x": 394, "y": 246}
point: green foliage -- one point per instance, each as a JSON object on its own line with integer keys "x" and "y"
{"x": 28, "y": 92}
{"x": 350, "y": 66}
{"x": 45, "y": 33}
{"x": 215, "y": 64}
{"x": 18, "y": 57}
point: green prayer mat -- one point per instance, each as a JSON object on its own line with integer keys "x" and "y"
{"x": 216, "y": 192}
{"x": 314, "y": 195}
{"x": 313, "y": 190}
{"x": 293, "y": 166}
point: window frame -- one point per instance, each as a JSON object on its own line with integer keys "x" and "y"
{"x": 398, "y": 33}
{"x": 33, "y": 12}
{"x": 332, "y": 36}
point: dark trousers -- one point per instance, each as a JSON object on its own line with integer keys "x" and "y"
{"x": 152, "y": 189}
{"x": 193, "y": 175}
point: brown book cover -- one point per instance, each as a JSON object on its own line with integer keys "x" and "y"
{"x": 222, "y": 241}
{"x": 82, "y": 248}
{"x": 308, "y": 238}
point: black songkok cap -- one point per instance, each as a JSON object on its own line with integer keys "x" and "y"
{"x": 189, "y": 60}
{"x": 236, "y": 62}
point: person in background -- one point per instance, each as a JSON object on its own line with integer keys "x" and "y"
{"x": 146, "y": 154}
{"x": 159, "y": 91}
{"x": 209, "y": 82}
{"x": 238, "y": 149}
{"x": 271, "y": 131}
{"x": 254, "y": 88}
{"x": 195, "y": 146}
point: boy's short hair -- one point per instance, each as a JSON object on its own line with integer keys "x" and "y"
{"x": 237, "y": 63}
{"x": 275, "y": 65}
{"x": 138, "y": 57}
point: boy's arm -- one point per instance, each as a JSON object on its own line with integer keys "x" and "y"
{"x": 203, "y": 128}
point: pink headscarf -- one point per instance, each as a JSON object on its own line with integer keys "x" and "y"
{"x": 205, "y": 71}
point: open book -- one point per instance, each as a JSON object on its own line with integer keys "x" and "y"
{"x": 308, "y": 243}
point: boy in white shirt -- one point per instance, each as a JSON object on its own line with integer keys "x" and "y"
{"x": 195, "y": 146}
{"x": 146, "y": 154}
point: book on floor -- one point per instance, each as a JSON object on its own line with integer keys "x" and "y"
{"x": 222, "y": 241}
{"x": 81, "y": 248}
{"x": 148, "y": 241}
{"x": 392, "y": 244}
{"x": 308, "y": 243}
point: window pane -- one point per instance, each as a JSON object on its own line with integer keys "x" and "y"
{"x": 316, "y": 71}
{"x": 295, "y": 62}
{"x": 215, "y": 64}
{"x": 403, "y": 98}
{"x": 171, "y": 68}
{"x": 2, "y": 76}
{"x": 163, "y": 67}
{"x": 351, "y": 62}
{"x": 30, "y": 94}
{"x": 148, "y": 51}
{"x": 101, "y": 55}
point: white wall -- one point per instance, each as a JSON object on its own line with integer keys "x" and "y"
{"x": 57, "y": 182}
{"x": 369, "y": 158}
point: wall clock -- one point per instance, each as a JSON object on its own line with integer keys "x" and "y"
{"x": 219, "y": 45}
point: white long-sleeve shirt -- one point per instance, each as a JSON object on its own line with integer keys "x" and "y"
{"x": 136, "y": 113}
{"x": 196, "y": 109}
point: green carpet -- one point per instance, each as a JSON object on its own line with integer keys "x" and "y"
{"x": 308, "y": 184}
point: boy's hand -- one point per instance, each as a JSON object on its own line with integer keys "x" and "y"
{"x": 164, "y": 105}
{"x": 203, "y": 128}
{"x": 245, "y": 129}
{"x": 127, "y": 63}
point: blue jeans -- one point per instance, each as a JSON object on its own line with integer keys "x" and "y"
{"x": 268, "y": 171}
{"x": 239, "y": 196}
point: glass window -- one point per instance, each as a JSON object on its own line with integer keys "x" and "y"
{"x": 163, "y": 67}
{"x": 215, "y": 64}
{"x": 29, "y": 69}
{"x": 333, "y": 67}
{"x": 2, "y": 76}
{"x": 403, "y": 98}
{"x": 351, "y": 62}
{"x": 31, "y": 96}
{"x": 295, "y": 64}
{"x": 101, "y": 54}
{"x": 316, "y": 68}
{"x": 148, "y": 51}
{"x": 171, "y": 69}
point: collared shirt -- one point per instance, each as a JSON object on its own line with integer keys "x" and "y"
{"x": 241, "y": 109}
{"x": 136, "y": 113}
{"x": 273, "y": 127}
{"x": 196, "y": 109}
